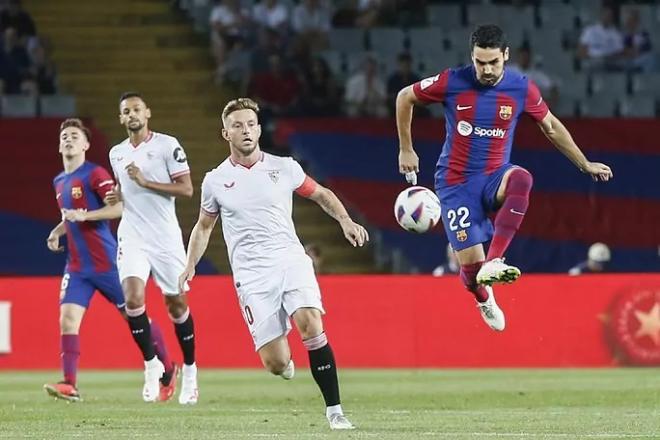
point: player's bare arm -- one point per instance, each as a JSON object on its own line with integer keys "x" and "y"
{"x": 356, "y": 234}
{"x": 53, "y": 240}
{"x": 557, "y": 133}
{"x": 181, "y": 186}
{"x": 408, "y": 160}
{"x": 199, "y": 240}
{"x": 108, "y": 212}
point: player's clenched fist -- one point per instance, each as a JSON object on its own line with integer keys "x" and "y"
{"x": 53, "y": 242}
{"x": 187, "y": 275}
{"x": 113, "y": 196}
{"x": 135, "y": 174}
{"x": 356, "y": 234}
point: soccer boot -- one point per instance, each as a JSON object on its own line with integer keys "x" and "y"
{"x": 491, "y": 312}
{"x": 63, "y": 390}
{"x": 153, "y": 371}
{"x": 339, "y": 421}
{"x": 496, "y": 271}
{"x": 167, "y": 391}
{"x": 189, "y": 392}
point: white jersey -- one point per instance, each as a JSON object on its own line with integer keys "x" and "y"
{"x": 149, "y": 217}
{"x": 255, "y": 206}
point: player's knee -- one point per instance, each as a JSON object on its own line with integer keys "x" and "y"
{"x": 134, "y": 303}
{"x": 276, "y": 364}
{"x": 520, "y": 181}
{"x": 309, "y": 323}
{"x": 69, "y": 323}
{"x": 176, "y": 307}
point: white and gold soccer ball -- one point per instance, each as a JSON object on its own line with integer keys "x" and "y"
{"x": 417, "y": 209}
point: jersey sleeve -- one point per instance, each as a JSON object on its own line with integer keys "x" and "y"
{"x": 535, "y": 106}
{"x": 101, "y": 181}
{"x": 209, "y": 204}
{"x": 177, "y": 162}
{"x": 433, "y": 88}
{"x": 302, "y": 184}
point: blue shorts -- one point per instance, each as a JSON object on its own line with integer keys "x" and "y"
{"x": 465, "y": 208}
{"x": 77, "y": 288}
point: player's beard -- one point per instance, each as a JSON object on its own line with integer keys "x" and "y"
{"x": 134, "y": 128}
{"x": 490, "y": 80}
{"x": 243, "y": 151}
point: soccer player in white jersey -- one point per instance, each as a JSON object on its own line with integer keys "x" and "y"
{"x": 151, "y": 170}
{"x": 252, "y": 192}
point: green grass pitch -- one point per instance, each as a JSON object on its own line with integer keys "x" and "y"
{"x": 384, "y": 404}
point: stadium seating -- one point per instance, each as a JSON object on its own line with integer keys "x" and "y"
{"x": 17, "y": 106}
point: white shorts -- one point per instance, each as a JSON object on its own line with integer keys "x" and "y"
{"x": 266, "y": 307}
{"x": 135, "y": 260}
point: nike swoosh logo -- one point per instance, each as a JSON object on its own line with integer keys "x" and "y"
{"x": 516, "y": 212}
{"x": 463, "y": 107}
{"x": 230, "y": 185}
{"x": 540, "y": 99}
{"x": 58, "y": 196}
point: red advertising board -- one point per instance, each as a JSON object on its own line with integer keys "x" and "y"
{"x": 375, "y": 321}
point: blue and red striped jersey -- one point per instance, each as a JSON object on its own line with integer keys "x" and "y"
{"x": 480, "y": 120}
{"x": 91, "y": 246}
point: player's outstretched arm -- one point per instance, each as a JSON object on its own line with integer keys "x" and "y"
{"x": 408, "y": 160}
{"x": 181, "y": 186}
{"x": 53, "y": 240}
{"x": 108, "y": 212}
{"x": 560, "y": 137}
{"x": 199, "y": 240}
{"x": 356, "y": 234}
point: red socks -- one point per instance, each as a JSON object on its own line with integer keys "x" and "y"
{"x": 512, "y": 212}
{"x": 468, "y": 276}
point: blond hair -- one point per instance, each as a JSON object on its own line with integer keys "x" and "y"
{"x": 239, "y": 104}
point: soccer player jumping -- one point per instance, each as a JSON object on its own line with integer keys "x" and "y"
{"x": 483, "y": 102}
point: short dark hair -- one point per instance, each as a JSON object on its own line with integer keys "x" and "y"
{"x": 77, "y": 123}
{"x": 240, "y": 104}
{"x": 488, "y": 36}
{"x": 126, "y": 95}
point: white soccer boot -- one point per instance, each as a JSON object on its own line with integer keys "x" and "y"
{"x": 289, "y": 371}
{"x": 496, "y": 271}
{"x": 491, "y": 312}
{"x": 339, "y": 421}
{"x": 189, "y": 392}
{"x": 153, "y": 371}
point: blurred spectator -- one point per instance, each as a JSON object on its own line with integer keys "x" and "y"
{"x": 451, "y": 267}
{"x": 43, "y": 71}
{"x": 311, "y": 22}
{"x": 314, "y": 252}
{"x": 546, "y": 85}
{"x": 637, "y": 45}
{"x": 601, "y": 44}
{"x": 597, "y": 258}
{"x": 269, "y": 42}
{"x": 411, "y": 12}
{"x": 29, "y": 86}
{"x": 272, "y": 14}
{"x": 15, "y": 17}
{"x": 402, "y": 77}
{"x": 365, "y": 92}
{"x": 229, "y": 24}
{"x": 368, "y": 13}
{"x": 14, "y": 62}
{"x": 276, "y": 90}
{"x": 320, "y": 95}
{"x": 237, "y": 66}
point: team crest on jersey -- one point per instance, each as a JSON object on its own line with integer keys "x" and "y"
{"x": 461, "y": 235}
{"x": 274, "y": 175}
{"x": 76, "y": 192}
{"x": 506, "y": 111}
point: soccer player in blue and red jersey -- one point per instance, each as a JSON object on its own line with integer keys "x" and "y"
{"x": 80, "y": 190}
{"x": 483, "y": 102}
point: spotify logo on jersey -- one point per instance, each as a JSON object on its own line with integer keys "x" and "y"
{"x": 464, "y": 128}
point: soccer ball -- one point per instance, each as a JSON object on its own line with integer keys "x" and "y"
{"x": 417, "y": 209}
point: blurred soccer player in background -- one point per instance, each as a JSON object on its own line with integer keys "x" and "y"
{"x": 251, "y": 191}
{"x": 92, "y": 251}
{"x": 152, "y": 169}
{"x": 483, "y": 102}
